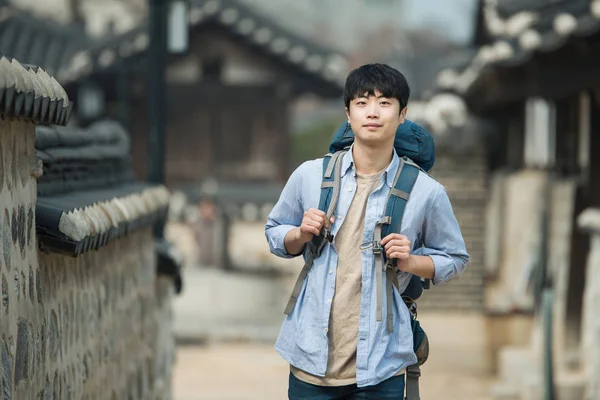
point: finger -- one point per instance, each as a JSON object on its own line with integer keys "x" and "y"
{"x": 327, "y": 223}
{"x": 313, "y": 213}
{"x": 399, "y": 256}
{"x": 318, "y": 225}
{"x": 314, "y": 223}
{"x": 392, "y": 236}
{"x": 316, "y": 211}
{"x": 317, "y": 218}
{"x": 310, "y": 229}
{"x": 315, "y": 231}
{"x": 398, "y": 249}
{"x": 397, "y": 243}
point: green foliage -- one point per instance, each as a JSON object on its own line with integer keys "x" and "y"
{"x": 314, "y": 141}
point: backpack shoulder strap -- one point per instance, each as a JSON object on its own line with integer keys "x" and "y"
{"x": 330, "y": 192}
{"x": 407, "y": 175}
{"x": 405, "y": 179}
{"x": 330, "y": 185}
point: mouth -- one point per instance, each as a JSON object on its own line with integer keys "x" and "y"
{"x": 373, "y": 126}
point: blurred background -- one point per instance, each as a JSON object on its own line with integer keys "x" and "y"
{"x": 223, "y": 99}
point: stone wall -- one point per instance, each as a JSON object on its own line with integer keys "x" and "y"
{"x": 465, "y": 178}
{"x": 92, "y": 327}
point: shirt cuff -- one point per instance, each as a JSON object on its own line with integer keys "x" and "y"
{"x": 276, "y": 237}
{"x": 443, "y": 264}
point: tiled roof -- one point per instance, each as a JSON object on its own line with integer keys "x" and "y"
{"x": 519, "y": 32}
{"x": 28, "y": 92}
{"x": 87, "y": 196}
{"x": 40, "y": 42}
{"x": 328, "y": 67}
{"x": 76, "y": 159}
{"x": 86, "y": 220}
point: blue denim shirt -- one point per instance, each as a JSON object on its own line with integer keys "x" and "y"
{"x": 430, "y": 225}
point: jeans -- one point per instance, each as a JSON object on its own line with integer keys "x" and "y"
{"x": 390, "y": 389}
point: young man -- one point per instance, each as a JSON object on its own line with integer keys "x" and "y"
{"x": 336, "y": 347}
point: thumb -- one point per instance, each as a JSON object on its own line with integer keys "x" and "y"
{"x": 330, "y": 222}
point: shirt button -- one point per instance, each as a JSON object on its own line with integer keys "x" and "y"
{"x": 350, "y": 189}
{"x": 329, "y": 300}
{"x": 330, "y": 271}
{"x": 340, "y": 217}
{"x": 326, "y": 330}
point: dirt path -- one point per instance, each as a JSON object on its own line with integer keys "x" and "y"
{"x": 256, "y": 372}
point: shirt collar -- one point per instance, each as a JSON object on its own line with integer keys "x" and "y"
{"x": 388, "y": 174}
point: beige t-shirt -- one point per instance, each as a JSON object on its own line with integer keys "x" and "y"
{"x": 345, "y": 308}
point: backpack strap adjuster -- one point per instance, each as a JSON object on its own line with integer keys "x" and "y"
{"x": 377, "y": 248}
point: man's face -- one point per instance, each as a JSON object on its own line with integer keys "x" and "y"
{"x": 375, "y": 119}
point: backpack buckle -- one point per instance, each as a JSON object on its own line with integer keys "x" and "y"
{"x": 374, "y": 245}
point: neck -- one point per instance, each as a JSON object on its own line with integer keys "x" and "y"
{"x": 371, "y": 160}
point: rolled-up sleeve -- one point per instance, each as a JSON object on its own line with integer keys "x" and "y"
{"x": 442, "y": 239}
{"x": 286, "y": 215}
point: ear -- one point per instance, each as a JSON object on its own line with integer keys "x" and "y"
{"x": 347, "y": 114}
{"x": 403, "y": 115}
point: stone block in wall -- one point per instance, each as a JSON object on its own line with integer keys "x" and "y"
{"x": 103, "y": 322}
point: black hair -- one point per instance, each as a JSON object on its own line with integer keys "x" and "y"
{"x": 370, "y": 77}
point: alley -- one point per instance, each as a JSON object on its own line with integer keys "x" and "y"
{"x": 251, "y": 371}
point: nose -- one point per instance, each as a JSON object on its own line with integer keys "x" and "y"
{"x": 373, "y": 111}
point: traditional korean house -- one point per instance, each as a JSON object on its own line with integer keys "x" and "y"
{"x": 535, "y": 79}
{"x": 228, "y": 94}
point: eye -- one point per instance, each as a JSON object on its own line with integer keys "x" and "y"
{"x": 361, "y": 103}
{"x": 385, "y": 102}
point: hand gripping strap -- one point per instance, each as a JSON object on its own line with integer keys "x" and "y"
{"x": 330, "y": 191}
{"x": 404, "y": 181}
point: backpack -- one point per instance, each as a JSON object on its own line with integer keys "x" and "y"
{"x": 416, "y": 150}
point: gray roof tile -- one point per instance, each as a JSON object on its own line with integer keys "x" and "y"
{"x": 28, "y": 92}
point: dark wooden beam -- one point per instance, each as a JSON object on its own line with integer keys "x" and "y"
{"x": 480, "y": 34}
